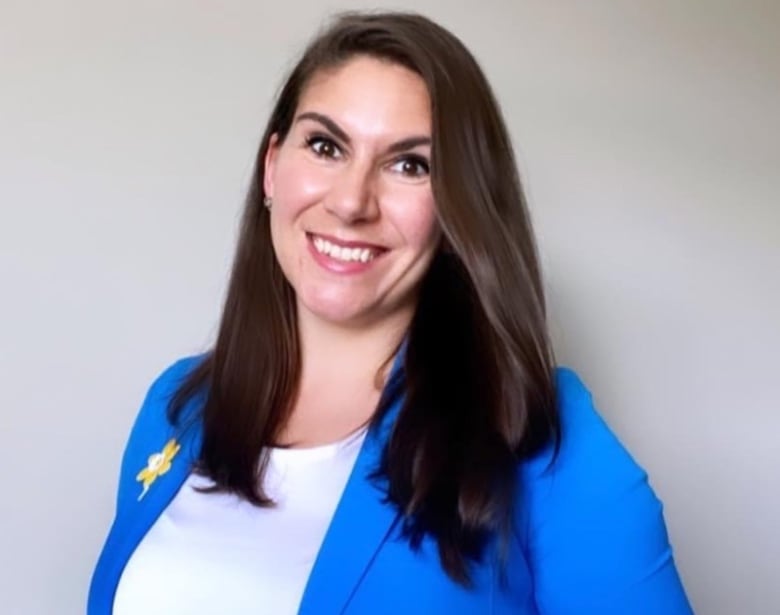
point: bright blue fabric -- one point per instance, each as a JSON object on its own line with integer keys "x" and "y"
{"x": 589, "y": 532}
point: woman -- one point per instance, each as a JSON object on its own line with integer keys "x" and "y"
{"x": 380, "y": 427}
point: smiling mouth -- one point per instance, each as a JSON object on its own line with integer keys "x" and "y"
{"x": 351, "y": 253}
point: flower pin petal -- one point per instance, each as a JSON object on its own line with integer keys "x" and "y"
{"x": 157, "y": 465}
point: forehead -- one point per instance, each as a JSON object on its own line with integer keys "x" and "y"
{"x": 371, "y": 96}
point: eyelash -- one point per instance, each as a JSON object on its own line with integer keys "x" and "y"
{"x": 316, "y": 141}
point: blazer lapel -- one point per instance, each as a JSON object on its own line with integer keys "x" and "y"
{"x": 137, "y": 517}
{"x": 361, "y": 524}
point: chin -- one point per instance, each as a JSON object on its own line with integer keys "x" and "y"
{"x": 337, "y": 310}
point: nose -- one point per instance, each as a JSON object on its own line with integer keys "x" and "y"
{"x": 352, "y": 198}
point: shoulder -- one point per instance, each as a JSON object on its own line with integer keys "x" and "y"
{"x": 589, "y": 522}
{"x": 165, "y": 385}
{"x": 153, "y": 415}
{"x": 588, "y": 448}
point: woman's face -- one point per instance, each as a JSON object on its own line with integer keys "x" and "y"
{"x": 353, "y": 220}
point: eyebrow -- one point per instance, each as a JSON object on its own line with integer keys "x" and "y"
{"x": 399, "y": 146}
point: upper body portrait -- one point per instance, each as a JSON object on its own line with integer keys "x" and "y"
{"x": 380, "y": 426}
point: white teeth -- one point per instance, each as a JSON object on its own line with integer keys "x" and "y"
{"x": 323, "y": 246}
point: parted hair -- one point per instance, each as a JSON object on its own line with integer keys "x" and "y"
{"x": 476, "y": 382}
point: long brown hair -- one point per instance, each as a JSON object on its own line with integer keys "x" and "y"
{"x": 478, "y": 391}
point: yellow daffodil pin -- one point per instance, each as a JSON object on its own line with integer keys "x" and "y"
{"x": 157, "y": 465}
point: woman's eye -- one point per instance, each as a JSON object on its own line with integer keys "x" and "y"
{"x": 412, "y": 167}
{"x": 323, "y": 147}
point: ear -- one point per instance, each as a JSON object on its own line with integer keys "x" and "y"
{"x": 269, "y": 165}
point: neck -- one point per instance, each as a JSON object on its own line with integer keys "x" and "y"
{"x": 343, "y": 371}
{"x": 333, "y": 353}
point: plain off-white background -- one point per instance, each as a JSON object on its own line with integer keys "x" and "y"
{"x": 647, "y": 134}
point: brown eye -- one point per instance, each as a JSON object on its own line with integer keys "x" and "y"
{"x": 323, "y": 147}
{"x": 411, "y": 166}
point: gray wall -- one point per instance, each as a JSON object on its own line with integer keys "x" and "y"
{"x": 648, "y": 137}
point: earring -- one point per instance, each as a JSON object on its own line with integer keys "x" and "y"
{"x": 268, "y": 202}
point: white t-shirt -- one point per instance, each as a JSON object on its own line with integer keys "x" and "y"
{"x": 215, "y": 553}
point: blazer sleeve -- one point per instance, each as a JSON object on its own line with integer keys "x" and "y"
{"x": 594, "y": 530}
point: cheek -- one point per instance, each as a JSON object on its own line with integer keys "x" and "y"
{"x": 419, "y": 223}
{"x": 297, "y": 186}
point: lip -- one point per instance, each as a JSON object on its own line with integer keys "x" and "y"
{"x": 343, "y": 267}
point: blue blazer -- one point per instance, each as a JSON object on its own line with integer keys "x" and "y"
{"x": 589, "y": 534}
